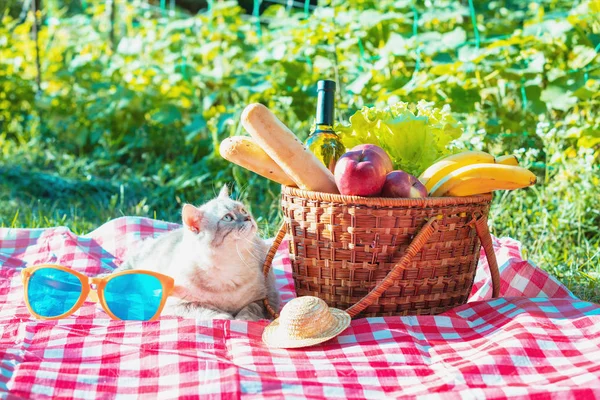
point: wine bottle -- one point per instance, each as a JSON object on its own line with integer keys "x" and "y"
{"x": 322, "y": 140}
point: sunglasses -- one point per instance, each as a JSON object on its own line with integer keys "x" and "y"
{"x": 54, "y": 292}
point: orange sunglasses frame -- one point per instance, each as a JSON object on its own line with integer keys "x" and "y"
{"x": 95, "y": 295}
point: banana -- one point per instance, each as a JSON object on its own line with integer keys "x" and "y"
{"x": 510, "y": 159}
{"x": 482, "y": 178}
{"x": 470, "y": 187}
{"x": 446, "y": 165}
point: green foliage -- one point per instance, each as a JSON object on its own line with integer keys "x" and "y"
{"x": 141, "y": 120}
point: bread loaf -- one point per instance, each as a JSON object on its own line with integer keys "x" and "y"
{"x": 297, "y": 161}
{"x": 243, "y": 151}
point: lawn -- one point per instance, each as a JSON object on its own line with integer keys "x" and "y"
{"x": 132, "y": 103}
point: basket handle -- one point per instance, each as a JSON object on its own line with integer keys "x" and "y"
{"x": 269, "y": 261}
{"x": 415, "y": 246}
{"x": 481, "y": 227}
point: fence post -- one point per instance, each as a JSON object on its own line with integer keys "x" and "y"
{"x": 111, "y": 32}
{"x": 415, "y": 28}
{"x": 38, "y": 65}
{"x": 256, "y": 14}
{"x": 474, "y": 22}
{"x": 35, "y": 31}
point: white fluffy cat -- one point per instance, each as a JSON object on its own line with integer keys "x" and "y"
{"x": 216, "y": 260}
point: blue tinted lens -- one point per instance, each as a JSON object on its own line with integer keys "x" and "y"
{"x": 133, "y": 296}
{"x": 52, "y": 292}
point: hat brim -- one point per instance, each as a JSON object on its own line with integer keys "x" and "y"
{"x": 274, "y": 336}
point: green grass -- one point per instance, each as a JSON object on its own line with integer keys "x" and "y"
{"x": 82, "y": 193}
{"x": 555, "y": 237}
{"x": 558, "y": 219}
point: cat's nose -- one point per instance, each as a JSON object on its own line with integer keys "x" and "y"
{"x": 247, "y": 218}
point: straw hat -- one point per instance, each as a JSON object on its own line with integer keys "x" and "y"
{"x": 305, "y": 321}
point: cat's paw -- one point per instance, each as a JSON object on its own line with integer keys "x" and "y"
{"x": 249, "y": 317}
{"x": 222, "y": 316}
{"x": 189, "y": 310}
{"x": 208, "y": 314}
{"x": 252, "y": 312}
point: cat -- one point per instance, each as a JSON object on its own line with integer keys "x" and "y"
{"x": 216, "y": 260}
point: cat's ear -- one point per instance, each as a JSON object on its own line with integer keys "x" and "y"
{"x": 224, "y": 193}
{"x": 192, "y": 218}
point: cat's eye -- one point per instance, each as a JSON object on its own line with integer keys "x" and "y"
{"x": 243, "y": 211}
{"x": 228, "y": 217}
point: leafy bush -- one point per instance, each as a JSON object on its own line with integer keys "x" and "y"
{"x": 141, "y": 119}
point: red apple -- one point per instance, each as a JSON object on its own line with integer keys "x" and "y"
{"x": 389, "y": 166}
{"x": 360, "y": 173}
{"x": 402, "y": 184}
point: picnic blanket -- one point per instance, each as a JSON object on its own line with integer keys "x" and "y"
{"x": 537, "y": 341}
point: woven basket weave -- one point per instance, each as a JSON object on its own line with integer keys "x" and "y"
{"x": 381, "y": 256}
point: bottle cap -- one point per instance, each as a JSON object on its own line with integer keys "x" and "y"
{"x": 326, "y": 85}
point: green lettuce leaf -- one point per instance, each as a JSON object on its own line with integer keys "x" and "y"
{"x": 413, "y": 136}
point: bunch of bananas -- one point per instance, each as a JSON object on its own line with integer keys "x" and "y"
{"x": 475, "y": 172}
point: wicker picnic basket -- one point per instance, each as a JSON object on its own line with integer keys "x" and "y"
{"x": 384, "y": 256}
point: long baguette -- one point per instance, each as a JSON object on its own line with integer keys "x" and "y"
{"x": 243, "y": 151}
{"x": 285, "y": 149}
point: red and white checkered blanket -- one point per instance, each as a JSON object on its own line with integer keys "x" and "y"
{"x": 537, "y": 341}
